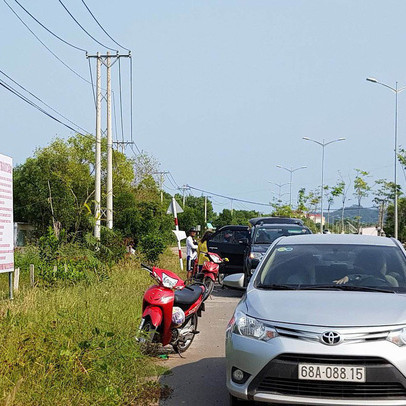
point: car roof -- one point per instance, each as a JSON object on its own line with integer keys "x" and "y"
{"x": 267, "y": 225}
{"x": 344, "y": 239}
{"x": 234, "y": 227}
{"x": 274, "y": 220}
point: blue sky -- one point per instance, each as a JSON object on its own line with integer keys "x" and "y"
{"x": 223, "y": 91}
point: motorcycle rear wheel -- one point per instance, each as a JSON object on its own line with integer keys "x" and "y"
{"x": 209, "y": 284}
{"x": 188, "y": 330}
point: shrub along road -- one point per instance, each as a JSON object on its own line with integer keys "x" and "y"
{"x": 199, "y": 377}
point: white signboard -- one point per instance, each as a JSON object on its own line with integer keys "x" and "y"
{"x": 6, "y": 215}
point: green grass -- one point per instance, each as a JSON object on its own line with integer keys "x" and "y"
{"x": 74, "y": 345}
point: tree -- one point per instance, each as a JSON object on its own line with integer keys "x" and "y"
{"x": 384, "y": 193}
{"x": 361, "y": 190}
{"x": 56, "y": 185}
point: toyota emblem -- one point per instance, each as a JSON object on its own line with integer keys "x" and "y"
{"x": 331, "y": 338}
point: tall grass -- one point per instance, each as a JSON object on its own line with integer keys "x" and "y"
{"x": 74, "y": 345}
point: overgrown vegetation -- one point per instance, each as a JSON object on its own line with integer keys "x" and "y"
{"x": 75, "y": 345}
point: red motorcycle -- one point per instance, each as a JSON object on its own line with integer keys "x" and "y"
{"x": 170, "y": 310}
{"x": 210, "y": 272}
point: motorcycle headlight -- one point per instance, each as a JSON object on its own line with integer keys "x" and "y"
{"x": 168, "y": 282}
{"x": 256, "y": 255}
{"x": 397, "y": 337}
{"x": 249, "y": 327}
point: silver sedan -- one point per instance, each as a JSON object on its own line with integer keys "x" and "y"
{"x": 323, "y": 322}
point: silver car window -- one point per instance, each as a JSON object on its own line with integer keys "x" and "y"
{"x": 344, "y": 264}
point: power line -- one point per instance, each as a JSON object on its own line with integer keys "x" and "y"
{"x": 171, "y": 182}
{"x": 45, "y": 46}
{"x": 95, "y": 19}
{"x": 22, "y": 97}
{"x": 170, "y": 174}
{"x": 228, "y": 197}
{"x": 84, "y": 29}
{"x": 121, "y": 100}
{"x": 47, "y": 105}
{"x": 131, "y": 97}
{"x": 47, "y": 29}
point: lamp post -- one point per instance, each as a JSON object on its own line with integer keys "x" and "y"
{"x": 323, "y": 145}
{"x": 395, "y": 90}
{"x": 291, "y": 170}
{"x": 280, "y": 186}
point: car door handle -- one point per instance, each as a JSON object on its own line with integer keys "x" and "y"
{"x": 214, "y": 248}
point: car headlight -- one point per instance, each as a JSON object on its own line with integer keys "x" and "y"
{"x": 257, "y": 255}
{"x": 249, "y": 327}
{"x": 397, "y": 337}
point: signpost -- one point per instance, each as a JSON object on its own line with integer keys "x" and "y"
{"x": 174, "y": 209}
{"x": 6, "y": 219}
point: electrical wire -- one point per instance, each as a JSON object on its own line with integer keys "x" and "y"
{"x": 45, "y": 46}
{"x": 83, "y": 28}
{"x": 131, "y": 97}
{"x": 228, "y": 197}
{"x": 92, "y": 83}
{"x": 170, "y": 174}
{"x": 22, "y": 97}
{"x": 95, "y": 19}
{"x": 47, "y": 29}
{"x": 40, "y": 100}
{"x": 121, "y": 100}
{"x": 171, "y": 182}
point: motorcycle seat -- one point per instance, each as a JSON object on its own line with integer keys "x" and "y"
{"x": 188, "y": 295}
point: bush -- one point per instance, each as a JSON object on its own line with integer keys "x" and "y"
{"x": 152, "y": 246}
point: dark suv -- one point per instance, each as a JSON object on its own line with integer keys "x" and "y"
{"x": 264, "y": 231}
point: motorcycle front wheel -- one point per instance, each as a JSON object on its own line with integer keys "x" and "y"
{"x": 148, "y": 332}
{"x": 186, "y": 334}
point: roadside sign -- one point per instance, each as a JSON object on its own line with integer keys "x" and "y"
{"x": 6, "y": 215}
{"x": 180, "y": 235}
{"x": 171, "y": 208}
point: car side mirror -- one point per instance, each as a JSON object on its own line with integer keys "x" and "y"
{"x": 235, "y": 281}
{"x": 243, "y": 241}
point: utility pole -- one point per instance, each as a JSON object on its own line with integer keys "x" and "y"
{"x": 161, "y": 182}
{"x": 98, "y": 152}
{"x": 205, "y": 210}
{"x": 184, "y": 188}
{"x": 109, "y": 149}
{"x": 106, "y": 61}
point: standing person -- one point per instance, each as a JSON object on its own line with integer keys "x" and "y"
{"x": 202, "y": 247}
{"x": 191, "y": 248}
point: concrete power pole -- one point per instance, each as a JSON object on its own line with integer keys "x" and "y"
{"x": 97, "y": 198}
{"x": 105, "y": 60}
{"x": 109, "y": 149}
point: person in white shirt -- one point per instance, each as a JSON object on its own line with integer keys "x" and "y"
{"x": 191, "y": 251}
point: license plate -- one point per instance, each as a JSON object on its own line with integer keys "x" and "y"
{"x": 341, "y": 373}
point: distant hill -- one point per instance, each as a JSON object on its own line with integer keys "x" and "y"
{"x": 368, "y": 216}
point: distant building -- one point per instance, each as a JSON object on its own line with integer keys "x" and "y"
{"x": 316, "y": 217}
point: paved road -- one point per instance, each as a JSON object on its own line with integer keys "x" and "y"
{"x": 198, "y": 379}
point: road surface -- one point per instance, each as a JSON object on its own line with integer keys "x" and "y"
{"x": 198, "y": 379}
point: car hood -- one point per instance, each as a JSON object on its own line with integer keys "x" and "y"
{"x": 327, "y": 308}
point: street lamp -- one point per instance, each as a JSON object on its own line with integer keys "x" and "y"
{"x": 396, "y": 90}
{"x": 323, "y": 145}
{"x": 280, "y": 186}
{"x": 291, "y": 170}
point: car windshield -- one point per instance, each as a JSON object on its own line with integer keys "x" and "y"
{"x": 341, "y": 266}
{"x": 267, "y": 235}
